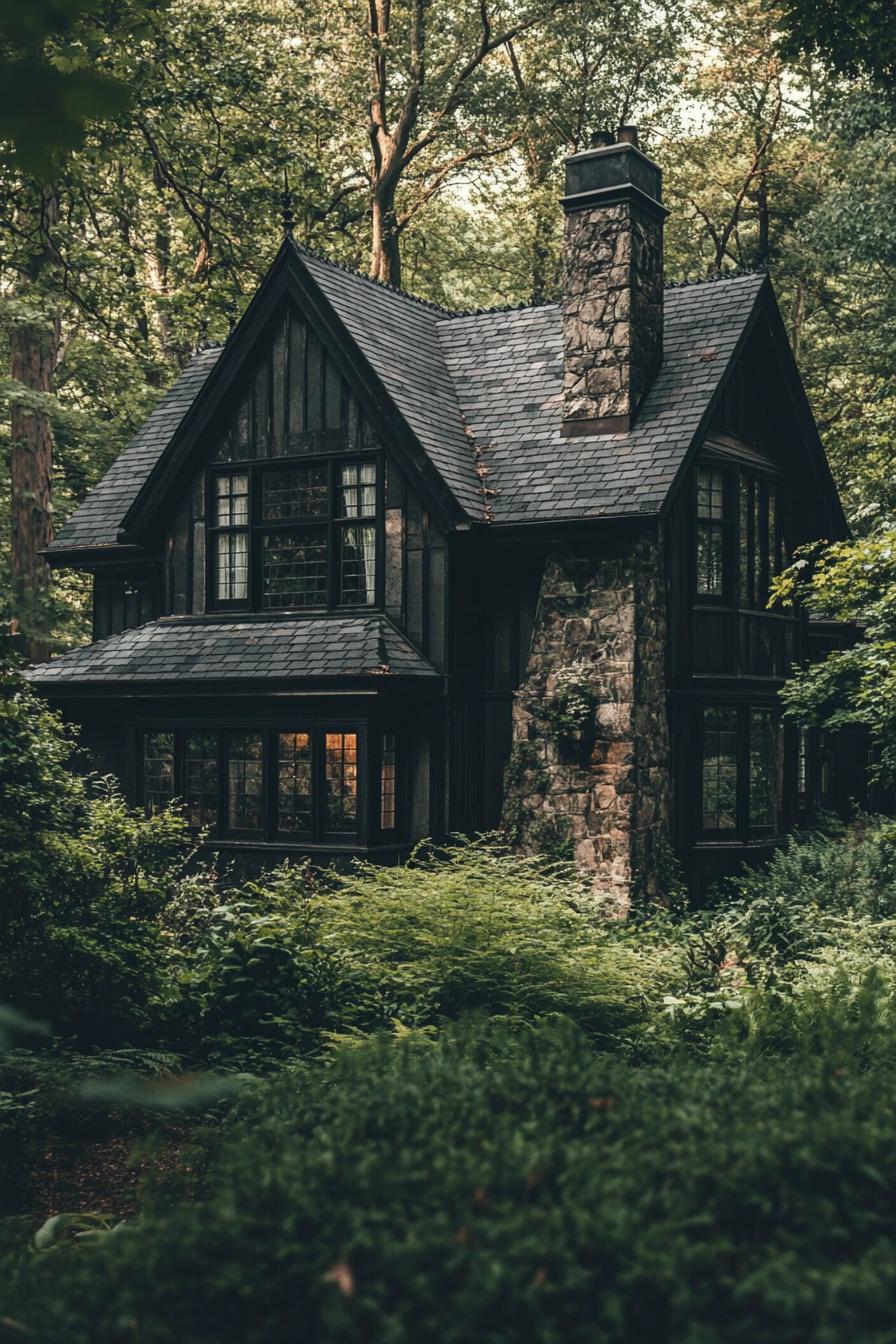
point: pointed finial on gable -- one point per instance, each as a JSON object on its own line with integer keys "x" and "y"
{"x": 286, "y": 200}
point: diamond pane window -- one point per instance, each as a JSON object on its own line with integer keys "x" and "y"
{"x": 294, "y": 814}
{"x": 341, "y": 779}
{"x": 302, "y": 492}
{"x": 245, "y": 778}
{"x": 158, "y": 770}
{"x": 719, "y": 770}
{"x": 294, "y": 568}
{"x": 387, "y": 783}
{"x": 357, "y": 566}
{"x": 201, "y": 778}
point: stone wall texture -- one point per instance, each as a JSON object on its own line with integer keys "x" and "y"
{"x": 612, "y": 310}
{"x": 601, "y": 623}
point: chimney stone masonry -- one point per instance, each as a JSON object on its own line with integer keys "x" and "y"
{"x": 613, "y": 293}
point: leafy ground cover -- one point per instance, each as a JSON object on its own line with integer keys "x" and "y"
{"x": 450, "y": 1101}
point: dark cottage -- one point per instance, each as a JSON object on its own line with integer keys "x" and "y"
{"x": 374, "y": 570}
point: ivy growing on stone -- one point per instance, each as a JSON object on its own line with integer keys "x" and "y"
{"x": 570, "y": 716}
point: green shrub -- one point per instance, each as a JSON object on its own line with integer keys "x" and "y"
{"x": 83, "y": 879}
{"x": 512, "y": 1185}
{"x": 469, "y": 928}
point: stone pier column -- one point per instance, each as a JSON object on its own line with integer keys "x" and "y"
{"x": 601, "y": 631}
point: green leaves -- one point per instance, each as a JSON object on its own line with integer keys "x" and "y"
{"x": 49, "y": 86}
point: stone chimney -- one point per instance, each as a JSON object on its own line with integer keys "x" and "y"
{"x": 613, "y": 294}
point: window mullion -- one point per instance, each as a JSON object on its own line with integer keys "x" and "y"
{"x": 317, "y": 785}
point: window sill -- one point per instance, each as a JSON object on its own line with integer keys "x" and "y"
{"x": 758, "y": 842}
{"x": 297, "y": 847}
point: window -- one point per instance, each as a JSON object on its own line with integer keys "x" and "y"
{"x": 231, "y": 523}
{"x": 719, "y": 768}
{"x": 341, "y": 778}
{"x": 294, "y": 803}
{"x": 741, "y": 771}
{"x": 244, "y": 782}
{"x": 294, "y": 557}
{"x": 357, "y": 541}
{"x": 734, "y": 501}
{"x": 201, "y": 778}
{"x": 808, "y": 752}
{"x": 294, "y": 537}
{"x": 713, "y": 528}
{"x": 158, "y": 770}
{"x": 765, "y": 766}
{"x": 296, "y": 783}
{"x": 387, "y": 783}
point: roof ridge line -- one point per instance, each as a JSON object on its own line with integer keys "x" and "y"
{"x": 735, "y": 273}
{"x": 304, "y": 250}
{"x": 738, "y": 274}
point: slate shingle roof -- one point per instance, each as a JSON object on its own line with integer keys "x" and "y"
{"x": 179, "y": 649}
{"x": 490, "y": 382}
{"x": 508, "y": 371}
{"x": 399, "y": 338}
{"x": 97, "y": 520}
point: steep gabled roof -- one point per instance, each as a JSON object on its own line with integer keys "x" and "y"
{"x": 398, "y": 335}
{"x": 508, "y": 371}
{"x": 181, "y": 649}
{"x": 476, "y": 391}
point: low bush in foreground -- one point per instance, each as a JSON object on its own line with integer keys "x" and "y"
{"x": 503, "y": 1185}
{"x": 287, "y": 964}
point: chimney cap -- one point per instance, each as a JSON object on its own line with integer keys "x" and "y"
{"x": 628, "y": 135}
{"x": 599, "y": 139}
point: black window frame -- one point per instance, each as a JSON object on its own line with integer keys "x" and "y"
{"x": 331, "y": 525}
{"x": 216, "y": 529}
{"x": 389, "y": 743}
{"x": 320, "y": 835}
{"x": 759, "y": 483}
{"x": 745, "y": 830}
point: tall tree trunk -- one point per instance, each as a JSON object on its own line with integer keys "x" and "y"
{"x": 385, "y": 253}
{"x": 35, "y": 345}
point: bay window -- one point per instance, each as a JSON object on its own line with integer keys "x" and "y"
{"x": 294, "y": 537}
{"x": 293, "y": 784}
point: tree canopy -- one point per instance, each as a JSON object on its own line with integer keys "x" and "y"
{"x": 424, "y": 142}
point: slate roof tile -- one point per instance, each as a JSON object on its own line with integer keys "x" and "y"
{"x": 492, "y": 381}
{"x": 182, "y": 649}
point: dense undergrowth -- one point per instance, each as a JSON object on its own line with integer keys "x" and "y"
{"x": 447, "y": 1101}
